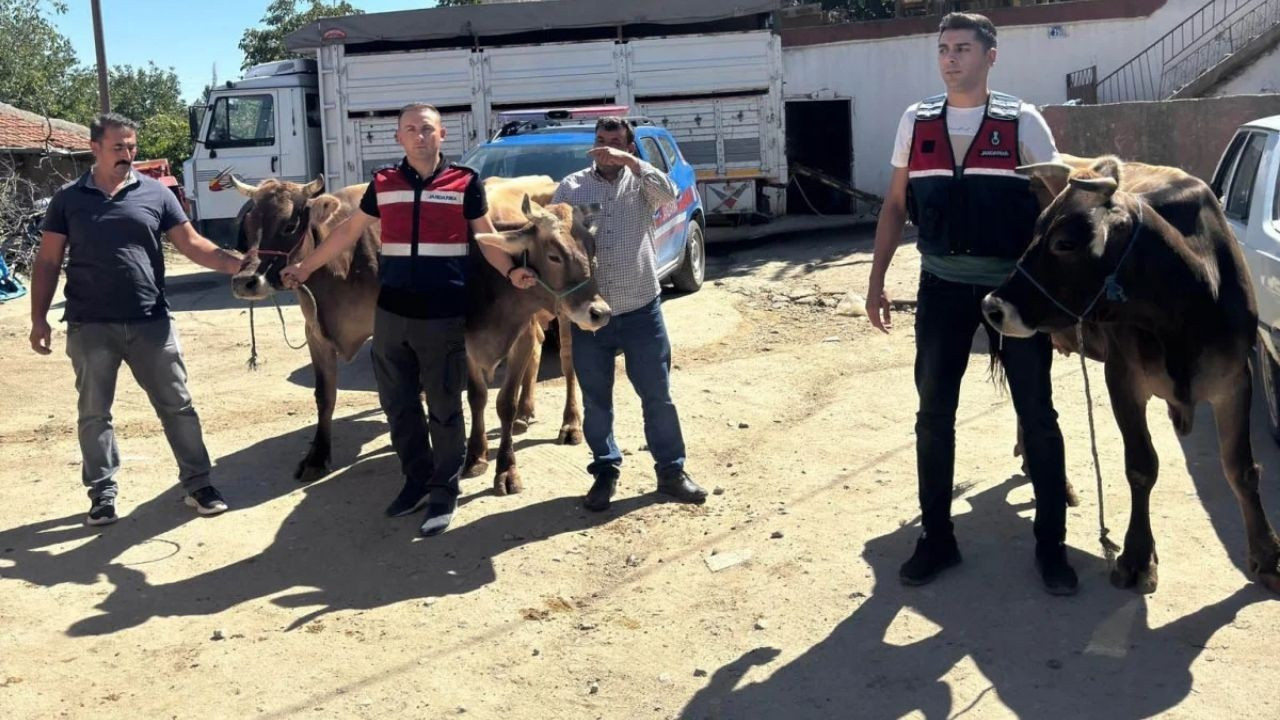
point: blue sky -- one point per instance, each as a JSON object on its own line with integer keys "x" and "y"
{"x": 188, "y": 36}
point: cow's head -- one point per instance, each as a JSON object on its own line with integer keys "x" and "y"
{"x": 278, "y": 224}
{"x": 558, "y": 243}
{"x": 1079, "y": 241}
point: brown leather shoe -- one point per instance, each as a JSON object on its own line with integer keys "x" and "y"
{"x": 682, "y": 487}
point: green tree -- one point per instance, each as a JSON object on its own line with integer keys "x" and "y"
{"x": 39, "y": 71}
{"x": 165, "y": 135}
{"x": 456, "y": 3}
{"x": 266, "y": 43}
{"x": 139, "y": 93}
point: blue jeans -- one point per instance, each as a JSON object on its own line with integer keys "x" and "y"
{"x": 151, "y": 351}
{"x": 642, "y": 337}
{"x": 947, "y": 315}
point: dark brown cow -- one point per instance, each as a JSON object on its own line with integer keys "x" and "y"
{"x": 1144, "y": 256}
{"x": 285, "y": 222}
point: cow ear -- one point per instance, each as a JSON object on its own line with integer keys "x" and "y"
{"x": 324, "y": 216}
{"x": 589, "y": 216}
{"x": 1051, "y": 175}
{"x": 512, "y": 242}
{"x": 324, "y": 211}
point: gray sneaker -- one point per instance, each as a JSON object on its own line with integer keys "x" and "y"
{"x": 103, "y": 512}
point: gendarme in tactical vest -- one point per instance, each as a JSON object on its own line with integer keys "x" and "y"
{"x": 425, "y": 240}
{"x": 981, "y": 207}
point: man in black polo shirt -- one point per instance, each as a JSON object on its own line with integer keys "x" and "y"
{"x": 430, "y": 212}
{"x": 110, "y": 221}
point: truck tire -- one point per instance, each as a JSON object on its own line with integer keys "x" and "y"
{"x": 1269, "y": 378}
{"x": 688, "y": 278}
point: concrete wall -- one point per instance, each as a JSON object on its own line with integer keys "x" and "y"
{"x": 883, "y": 76}
{"x": 1188, "y": 134}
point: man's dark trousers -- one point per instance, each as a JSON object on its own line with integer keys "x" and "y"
{"x": 947, "y": 315}
{"x": 412, "y": 355}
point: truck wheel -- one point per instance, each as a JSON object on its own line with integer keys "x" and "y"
{"x": 689, "y": 277}
{"x": 1269, "y": 375}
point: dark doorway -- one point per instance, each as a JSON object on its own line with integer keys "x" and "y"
{"x": 820, "y": 136}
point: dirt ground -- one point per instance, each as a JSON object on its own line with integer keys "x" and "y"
{"x": 304, "y": 601}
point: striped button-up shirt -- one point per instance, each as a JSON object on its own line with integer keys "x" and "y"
{"x": 626, "y": 267}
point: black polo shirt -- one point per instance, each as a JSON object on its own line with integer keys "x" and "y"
{"x": 115, "y": 263}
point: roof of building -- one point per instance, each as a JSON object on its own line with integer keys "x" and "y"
{"x": 22, "y": 131}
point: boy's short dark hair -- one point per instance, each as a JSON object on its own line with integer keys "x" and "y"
{"x": 106, "y": 121}
{"x": 979, "y": 24}
{"x": 411, "y": 107}
{"x": 611, "y": 123}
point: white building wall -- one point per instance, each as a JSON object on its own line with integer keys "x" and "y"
{"x": 883, "y": 77}
{"x": 1263, "y": 76}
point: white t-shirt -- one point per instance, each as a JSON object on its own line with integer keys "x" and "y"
{"x": 1034, "y": 137}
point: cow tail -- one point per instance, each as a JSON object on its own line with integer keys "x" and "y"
{"x": 995, "y": 368}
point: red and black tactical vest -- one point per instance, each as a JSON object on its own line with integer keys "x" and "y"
{"x": 981, "y": 207}
{"x": 425, "y": 241}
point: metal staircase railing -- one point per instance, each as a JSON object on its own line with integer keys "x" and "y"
{"x": 1194, "y": 46}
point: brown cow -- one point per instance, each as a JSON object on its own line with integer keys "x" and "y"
{"x": 1142, "y": 257}
{"x": 287, "y": 219}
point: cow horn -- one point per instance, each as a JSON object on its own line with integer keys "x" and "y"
{"x": 315, "y": 187}
{"x": 244, "y": 188}
{"x": 1105, "y": 186}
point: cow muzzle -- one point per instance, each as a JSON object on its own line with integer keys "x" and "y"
{"x": 591, "y": 316}
{"x": 1004, "y": 317}
{"x": 251, "y": 285}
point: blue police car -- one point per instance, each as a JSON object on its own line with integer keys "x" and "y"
{"x": 555, "y": 142}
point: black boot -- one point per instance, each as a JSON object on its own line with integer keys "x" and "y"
{"x": 410, "y": 500}
{"x": 441, "y": 503}
{"x": 682, "y": 487}
{"x": 932, "y": 556}
{"x": 601, "y": 492}
{"x": 1058, "y": 575}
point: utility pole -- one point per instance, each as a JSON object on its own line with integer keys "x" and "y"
{"x": 104, "y": 93}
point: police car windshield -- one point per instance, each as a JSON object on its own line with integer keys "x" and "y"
{"x": 555, "y": 160}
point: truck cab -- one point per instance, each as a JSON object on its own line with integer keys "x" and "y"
{"x": 265, "y": 125}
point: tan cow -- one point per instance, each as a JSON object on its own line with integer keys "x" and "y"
{"x": 285, "y": 222}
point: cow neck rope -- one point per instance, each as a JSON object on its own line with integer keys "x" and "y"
{"x": 253, "y": 338}
{"x": 1112, "y": 289}
{"x": 558, "y": 294}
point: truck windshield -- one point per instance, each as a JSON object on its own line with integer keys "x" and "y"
{"x": 243, "y": 121}
{"x": 516, "y": 160}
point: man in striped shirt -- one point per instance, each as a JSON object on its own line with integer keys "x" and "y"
{"x": 628, "y": 190}
{"x": 430, "y": 212}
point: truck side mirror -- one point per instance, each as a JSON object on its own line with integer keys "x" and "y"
{"x": 195, "y": 116}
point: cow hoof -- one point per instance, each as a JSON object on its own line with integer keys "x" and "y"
{"x": 1270, "y": 581}
{"x": 308, "y": 472}
{"x": 570, "y": 436}
{"x": 519, "y": 426}
{"x": 507, "y": 483}
{"x": 1127, "y": 577}
{"x": 1267, "y": 572}
{"x": 1073, "y": 500}
{"x": 475, "y": 468}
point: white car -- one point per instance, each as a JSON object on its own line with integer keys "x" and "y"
{"x": 1247, "y": 182}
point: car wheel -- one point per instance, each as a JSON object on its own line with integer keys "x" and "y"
{"x": 690, "y": 275}
{"x": 1269, "y": 375}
